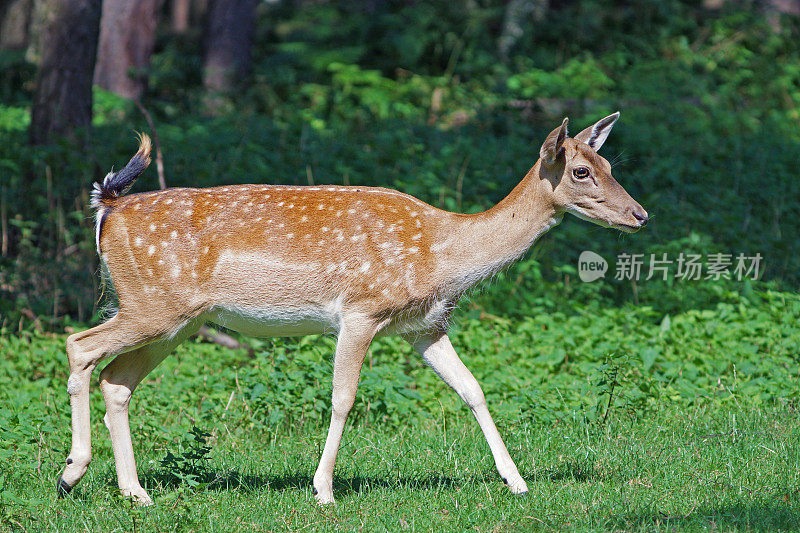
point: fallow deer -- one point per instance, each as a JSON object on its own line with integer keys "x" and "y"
{"x": 272, "y": 260}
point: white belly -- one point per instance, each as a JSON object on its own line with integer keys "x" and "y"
{"x": 277, "y": 322}
{"x": 315, "y": 320}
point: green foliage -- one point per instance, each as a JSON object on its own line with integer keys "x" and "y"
{"x": 413, "y": 97}
{"x": 577, "y": 78}
{"x": 189, "y": 464}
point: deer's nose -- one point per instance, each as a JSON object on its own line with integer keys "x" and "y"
{"x": 640, "y": 215}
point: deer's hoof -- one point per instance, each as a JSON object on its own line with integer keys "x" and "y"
{"x": 138, "y": 496}
{"x": 62, "y": 487}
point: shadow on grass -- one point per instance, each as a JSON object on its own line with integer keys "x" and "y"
{"x": 233, "y": 480}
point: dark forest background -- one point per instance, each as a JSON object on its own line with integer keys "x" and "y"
{"x": 447, "y": 101}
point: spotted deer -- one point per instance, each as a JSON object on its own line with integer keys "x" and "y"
{"x": 271, "y": 260}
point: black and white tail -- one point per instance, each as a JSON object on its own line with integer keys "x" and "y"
{"x": 116, "y": 184}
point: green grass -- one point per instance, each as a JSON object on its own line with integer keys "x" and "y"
{"x": 619, "y": 418}
{"x": 723, "y": 457}
{"x": 685, "y": 470}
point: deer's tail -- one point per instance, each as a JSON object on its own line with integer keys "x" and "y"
{"x": 115, "y": 184}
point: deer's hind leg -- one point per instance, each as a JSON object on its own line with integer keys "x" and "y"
{"x": 118, "y": 381}
{"x": 85, "y": 350}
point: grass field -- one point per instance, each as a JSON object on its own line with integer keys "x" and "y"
{"x": 685, "y": 471}
{"x": 227, "y": 440}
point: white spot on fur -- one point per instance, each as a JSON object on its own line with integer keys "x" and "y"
{"x": 137, "y": 241}
{"x": 364, "y": 267}
{"x": 152, "y": 227}
{"x": 416, "y": 237}
{"x": 151, "y": 250}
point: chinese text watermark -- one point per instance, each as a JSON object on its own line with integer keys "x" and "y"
{"x": 684, "y": 266}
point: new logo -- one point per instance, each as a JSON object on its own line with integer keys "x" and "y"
{"x": 591, "y": 266}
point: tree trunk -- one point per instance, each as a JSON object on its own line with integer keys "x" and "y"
{"x": 15, "y": 18}
{"x": 229, "y": 40}
{"x": 127, "y": 38}
{"x": 62, "y": 100}
{"x": 774, "y": 9}
{"x": 181, "y": 9}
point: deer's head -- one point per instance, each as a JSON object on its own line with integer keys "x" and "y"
{"x": 581, "y": 181}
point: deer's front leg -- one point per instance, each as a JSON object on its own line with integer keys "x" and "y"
{"x": 355, "y": 337}
{"x": 439, "y": 353}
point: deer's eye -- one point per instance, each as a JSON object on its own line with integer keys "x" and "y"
{"x": 581, "y": 173}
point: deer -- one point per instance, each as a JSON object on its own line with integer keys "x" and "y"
{"x": 272, "y": 260}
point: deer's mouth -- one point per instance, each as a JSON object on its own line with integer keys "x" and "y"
{"x": 603, "y": 220}
{"x": 627, "y": 228}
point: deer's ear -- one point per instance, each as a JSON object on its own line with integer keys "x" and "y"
{"x": 553, "y": 144}
{"x": 596, "y": 134}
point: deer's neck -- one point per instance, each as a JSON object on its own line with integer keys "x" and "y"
{"x": 484, "y": 243}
